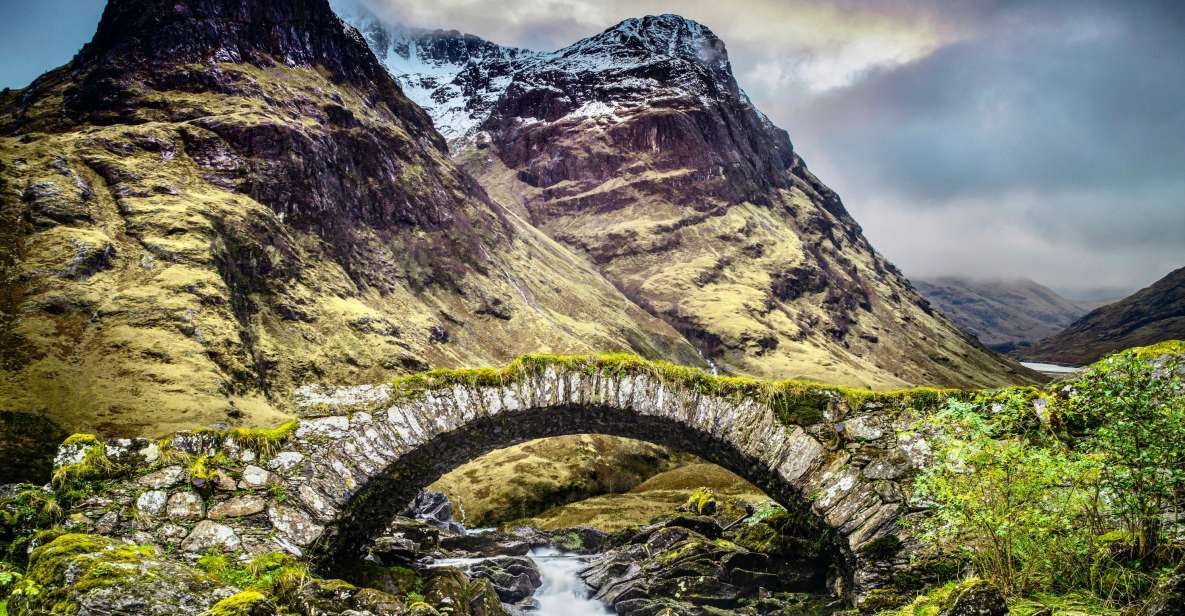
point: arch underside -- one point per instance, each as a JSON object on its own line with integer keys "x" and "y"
{"x": 370, "y": 510}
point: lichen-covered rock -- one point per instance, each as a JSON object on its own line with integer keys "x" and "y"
{"x": 209, "y": 535}
{"x": 254, "y": 477}
{"x": 238, "y": 506}
{"x": 185, "y": 506}
{"x": 152, "y": 502}
{"x": 86, "y": 574}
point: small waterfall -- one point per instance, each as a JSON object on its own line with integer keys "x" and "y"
{"x": 563, "y": 592}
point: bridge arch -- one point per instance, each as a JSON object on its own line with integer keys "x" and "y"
{"x": 328, "y": 487}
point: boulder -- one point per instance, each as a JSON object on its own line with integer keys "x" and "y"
{"x": 87, "y": 574}
{"x": 483, "y": 544}
{"x": 435, "y": 509}
{"x": 515, "y": 578}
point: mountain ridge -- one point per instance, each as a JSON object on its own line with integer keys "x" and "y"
{"x": 1005, "y": 314}
{"x": 658, "y": 168}
{"x": 1153, "y": 314}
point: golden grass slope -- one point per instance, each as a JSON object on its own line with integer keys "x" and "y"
{"x": 143, "y": 292}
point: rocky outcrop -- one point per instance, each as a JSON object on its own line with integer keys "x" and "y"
{"x": 637, "y": 148}
{"x": 713, "y": 563}
{"x": 1151, "y": 315}
{"x": 1167, "y": 598}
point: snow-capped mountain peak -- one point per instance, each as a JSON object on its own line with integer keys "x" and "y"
{"x": 654, "y": 36}
{"x": 459, "y": 78}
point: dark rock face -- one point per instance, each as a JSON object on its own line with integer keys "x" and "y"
{"x": 435, "y": 509}
{"x": 1168, "y": 597}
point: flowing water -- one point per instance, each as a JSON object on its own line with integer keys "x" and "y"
{"x": 562, "y": 592}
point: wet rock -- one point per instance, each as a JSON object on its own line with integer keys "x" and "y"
{"x": 483, "y": 544}
{"x": 434, "y": 508}
{"x": 515, "y": 578}
{"x": 395, "y": 551}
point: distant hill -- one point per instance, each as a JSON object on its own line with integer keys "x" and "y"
{"x": 1148, "y": 316}
{"x": 1004, "y": 314}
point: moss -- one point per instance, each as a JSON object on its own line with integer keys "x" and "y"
{"x": 794, "y": 402}
{"x": 1160, "y": 349}
{"x": 81, "y": 439}
{"x": 95, "y": 465}
{"x": 930, "y": 603}
{"x": 263, "y": 441}
{"x": 263, "y": 572}
{"x": 88, "y": 561}
{"x": 244, "y": 603}
{"x": 702, "y": 502}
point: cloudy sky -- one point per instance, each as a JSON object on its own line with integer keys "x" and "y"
{"x": 993, "y": 138}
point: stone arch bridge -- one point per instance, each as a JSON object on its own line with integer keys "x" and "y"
{"x": 321, "y": 488}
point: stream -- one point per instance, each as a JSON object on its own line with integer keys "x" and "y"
{"x": 562, "y": 591}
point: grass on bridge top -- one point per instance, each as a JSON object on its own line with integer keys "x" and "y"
{"x": 797, "y": 402}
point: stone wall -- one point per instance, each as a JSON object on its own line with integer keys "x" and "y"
{"x": 322, "y": 491}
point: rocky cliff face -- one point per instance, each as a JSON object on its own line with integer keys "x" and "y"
{"x": 1153, "y": 314}
{"x": 637, "y": 148}
{"x": 219, "y": 200}
{"x": 1004, "y": 314}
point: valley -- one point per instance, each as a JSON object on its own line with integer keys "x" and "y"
{"x": 308, "y": 312}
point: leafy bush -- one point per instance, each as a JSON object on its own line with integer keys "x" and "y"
{"x": 1132, "y": 411}
{"x": 1019, "y": 513}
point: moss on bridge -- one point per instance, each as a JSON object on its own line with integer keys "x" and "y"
{"x": 795, "y": 402}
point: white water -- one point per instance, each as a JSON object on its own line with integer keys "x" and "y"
{"x": 563, "y": 593}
